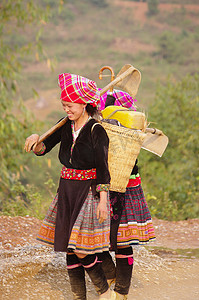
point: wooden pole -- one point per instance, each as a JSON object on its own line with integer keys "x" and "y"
{"x": 52, "y": 130}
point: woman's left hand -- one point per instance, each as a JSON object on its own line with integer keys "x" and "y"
{"x": 102, "y": 211}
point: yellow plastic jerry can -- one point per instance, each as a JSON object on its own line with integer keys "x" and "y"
{"x": 128, "y": 118}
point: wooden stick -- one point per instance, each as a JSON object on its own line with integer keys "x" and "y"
{"x": 112, "y": 74}
{"x": 52, "y": 130}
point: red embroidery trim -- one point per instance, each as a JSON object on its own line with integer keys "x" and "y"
{"x": 74, "y": 174}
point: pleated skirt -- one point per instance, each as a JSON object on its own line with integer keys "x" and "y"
{"x": 86, "y": 235}
{"x": 135, "y": 225}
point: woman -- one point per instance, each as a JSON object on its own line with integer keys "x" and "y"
{"x": 83, "y": 216}
{"x": 131, "y": 222}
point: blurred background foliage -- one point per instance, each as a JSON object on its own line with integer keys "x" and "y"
{"x": 40, "y": 39}
{"x": 172, "y": 181}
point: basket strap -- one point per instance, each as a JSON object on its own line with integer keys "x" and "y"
{"x": 94, "y": 126}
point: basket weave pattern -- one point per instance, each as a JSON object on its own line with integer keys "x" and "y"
{"x": 124, "y": 147}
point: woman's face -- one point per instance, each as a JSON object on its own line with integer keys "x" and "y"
{"x": 73, "y": 110}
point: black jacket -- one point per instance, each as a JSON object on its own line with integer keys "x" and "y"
{"x": 90, "y": 150}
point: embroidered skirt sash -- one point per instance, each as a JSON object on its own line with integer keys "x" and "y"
{"x": 75, "y": 174}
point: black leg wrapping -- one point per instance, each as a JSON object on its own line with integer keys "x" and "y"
{"x": 108, "y": 265}
{"x": 77, "y": 277}
{"x": 95, "y": 272}
{"x": 124, "y": 268}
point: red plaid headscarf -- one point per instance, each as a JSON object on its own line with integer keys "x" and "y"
{"x": 78, "y": 89}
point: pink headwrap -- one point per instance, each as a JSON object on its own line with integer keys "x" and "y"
{"x": 121, "y": 99}
{"x": 78, "y": 89}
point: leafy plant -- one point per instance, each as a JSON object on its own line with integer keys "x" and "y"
{"x": 173, "y": 180}
{"x": 26, "y": 200}
{"x": 14, "y": 129}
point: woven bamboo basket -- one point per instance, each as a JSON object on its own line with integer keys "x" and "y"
{"x": 124, "y": 147}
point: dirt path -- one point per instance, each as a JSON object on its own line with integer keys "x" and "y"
{"x": 31, "y": 271}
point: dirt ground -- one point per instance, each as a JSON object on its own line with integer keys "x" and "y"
{"x": 167, "y": 269}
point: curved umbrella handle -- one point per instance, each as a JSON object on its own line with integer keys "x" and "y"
{"x": 112, "y": 74}
{"x": 125, "y": 74}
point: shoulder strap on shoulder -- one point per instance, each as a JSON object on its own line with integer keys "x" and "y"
{"x": 94, "y": 126}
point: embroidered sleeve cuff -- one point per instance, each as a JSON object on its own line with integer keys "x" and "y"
{"x": 102, "y": 187}
{"x": 41, "y": 151}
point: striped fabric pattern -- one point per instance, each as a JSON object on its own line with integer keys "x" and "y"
{"x": 47, "y": 230}
{"x": 78, "y": 89}
{"x": 88, "y": 236}
{"x": 136, "y": 224}
{"x": 122, "y": 99}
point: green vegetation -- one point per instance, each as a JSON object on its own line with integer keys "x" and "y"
{"x": 175, "y": 48}
{"x": 174, "y": 178}
{"x": 81, "y": 37}
{"x": 15, "y": 198}
{"x": 152, "y": 7}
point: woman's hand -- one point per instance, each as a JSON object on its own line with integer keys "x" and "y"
{"x": 31, "y": 143}
{"x": 102, "y": 211}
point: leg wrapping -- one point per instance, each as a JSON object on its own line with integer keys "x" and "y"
{"x": 77, "y": 277}
{"x": 124, "y": 268}
{"x": 95, "y": 272}
{"x": 108, "y": 265}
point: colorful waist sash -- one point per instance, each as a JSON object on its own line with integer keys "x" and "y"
{"x": 75, "y": 174}
{"x": 134, "y": 181}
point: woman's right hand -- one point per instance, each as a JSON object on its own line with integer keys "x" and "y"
{"x": 31, "y": 143}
